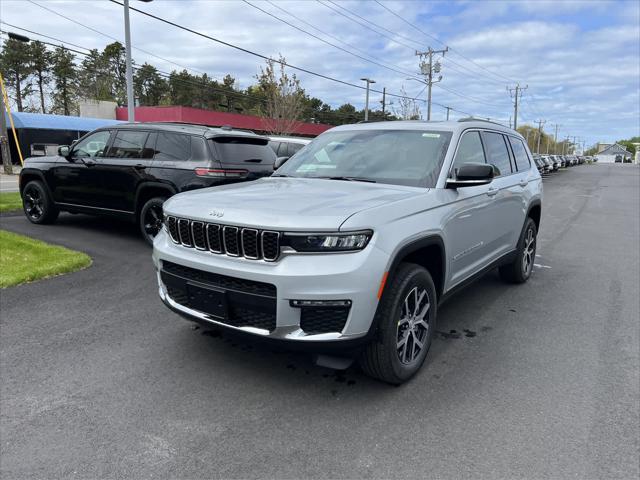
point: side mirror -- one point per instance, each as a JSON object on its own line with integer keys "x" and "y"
{"x": 279, "y": 162}
{"x": 64, "y": 151}
{"x": 472, "y": 175}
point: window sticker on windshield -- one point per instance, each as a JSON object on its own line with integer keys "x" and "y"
{"x": 431, "y": 135}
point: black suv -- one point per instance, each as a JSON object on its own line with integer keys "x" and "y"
{"x": 129, "y": 170}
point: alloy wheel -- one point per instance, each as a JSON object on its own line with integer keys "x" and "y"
{"x": 153, "y": 220}
{"x": 33, "y": 203}
{"x": 528, "y": 255}
{"x": 413, "y": 326}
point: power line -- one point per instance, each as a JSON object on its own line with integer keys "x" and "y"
{"x": 329, "y": 43}
{"x": 442, "y": 43}
{"x": 111, "y": 37}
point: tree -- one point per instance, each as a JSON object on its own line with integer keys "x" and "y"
{"x": 284, "y": 97}
{"x": 15, "y": 64}
{"x": 114, "y": 57}
{"x": 94, "y": 77}
{"x": 629, "y": 145}
{"x": 148, "y": 86}
{"x": 65, "y": 76}
{"x": 41, "y": 62}
{"x": 407, "y": 108}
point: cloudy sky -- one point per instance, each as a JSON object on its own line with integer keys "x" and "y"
{"x": 580, "y": 59}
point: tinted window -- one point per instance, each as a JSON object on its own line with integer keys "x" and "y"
{"x": 199, "y": 149}
{"x": 497, "y": 152}
{"x": 520, "y": 153}
{"x": 293, "y": 148}
{"x": 400, "y": 157}
{"x": 127, "y": 144}
{"x": 92, "y": 145}
{"x": 173, "y": 146}
{"x": 239, "y": 150}
{"x": 282, "y": 150}
{"x": 469, "y": 150}
{"x": 274, "y": 145}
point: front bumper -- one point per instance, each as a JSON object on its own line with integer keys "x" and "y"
{"x": 340, "y": 276}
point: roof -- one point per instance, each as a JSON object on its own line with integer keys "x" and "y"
{"x": 188, "y": 128}
{"x": 451, "y": 126}
{"x": 615, "y": 149}
{"x": 303, "y": 141}
{"x": 57, "y": 122}
{"x": 214, "y": 119}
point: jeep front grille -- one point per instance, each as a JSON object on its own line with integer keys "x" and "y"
{"x": 225, "y": 239}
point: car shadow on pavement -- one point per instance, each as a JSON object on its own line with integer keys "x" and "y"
{"x": 459, "y": 327}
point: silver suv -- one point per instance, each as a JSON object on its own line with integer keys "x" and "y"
{"x": 349, "y": 248}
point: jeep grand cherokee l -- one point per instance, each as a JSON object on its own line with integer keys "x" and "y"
{"x": 352, "y": 244}
{"x": 129, "y": 170}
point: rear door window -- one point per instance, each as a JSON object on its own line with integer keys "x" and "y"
{"x": 127, "y": 144}
{"x": 497, "y": 152}
{"x": 293, "y": 148}
{"x": 243, "y": 151}
{"x": 520, "y": 154}
{"x": 173, "y": 146}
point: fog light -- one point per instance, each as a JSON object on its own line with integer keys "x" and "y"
{"x": 319, "y": 303}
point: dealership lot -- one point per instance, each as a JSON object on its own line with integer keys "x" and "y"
{"x": 98, "y": 378}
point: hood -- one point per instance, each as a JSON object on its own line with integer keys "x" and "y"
{"x": 43, "y": 159}
{"x": 285, "y": 203}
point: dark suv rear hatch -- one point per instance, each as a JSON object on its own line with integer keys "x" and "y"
{"x": 249, "y": 157}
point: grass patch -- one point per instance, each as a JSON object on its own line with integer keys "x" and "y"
{"x": 23, "y": 259}
{"x": 10, "y": 201}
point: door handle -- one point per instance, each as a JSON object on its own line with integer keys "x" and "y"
{"x": 492, "y": 191}
{"x": 89, "y": 163}
{"x": 139, "y": 166}
{"x": 523, "y": 183}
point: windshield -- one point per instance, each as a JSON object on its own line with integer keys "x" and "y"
{"x": 399, "y": 157}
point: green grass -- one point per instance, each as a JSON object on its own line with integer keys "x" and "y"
{"x": 10, "y": 201}
{"x": 23, "y": 259}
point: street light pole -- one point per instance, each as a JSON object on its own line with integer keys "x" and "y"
{"x": 366, "y": 102}
{"x": 129, "y": 70}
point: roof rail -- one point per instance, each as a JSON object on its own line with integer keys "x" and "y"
{"x": 474, "y": 119}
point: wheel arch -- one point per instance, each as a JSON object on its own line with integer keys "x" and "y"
{"x": 535, "y": 212}
{"x": 28, "y": 175}
{"x": 149, "y": 190}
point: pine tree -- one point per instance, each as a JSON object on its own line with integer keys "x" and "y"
{"x": 65, "y": 76}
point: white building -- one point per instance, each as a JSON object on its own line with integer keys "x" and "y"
{"x": 609, "y": 153}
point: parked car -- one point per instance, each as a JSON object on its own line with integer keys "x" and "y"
{"x": 129, "y": 170}
{"x": 553, "y": 166}
{"x": 286, "y": 147}
{"x": 542, "y": 166}
{"x": 349, "y": 248}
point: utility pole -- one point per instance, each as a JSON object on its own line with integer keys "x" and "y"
{"x": 384, "y": 102}
{"x": 366, "y": 102}
{"x": 565, "y": 144}
{"x": 518, "y": 94}
{"x": 555, "y": 139}
{"x": 573, "y": 143}
{"x": 129, "y": 70}
{"x": 428, "y": 68}
{"x": 540, "y": 124}
{"x": 4, "y": 139}
{"x": 448, "y": 110}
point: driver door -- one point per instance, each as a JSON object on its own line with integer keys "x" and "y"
{"x": 76, "y": 182}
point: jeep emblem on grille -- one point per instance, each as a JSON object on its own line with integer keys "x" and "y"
{"x": 216, "y": 213}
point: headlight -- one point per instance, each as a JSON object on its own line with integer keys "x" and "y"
{"x": 328, "y": 242}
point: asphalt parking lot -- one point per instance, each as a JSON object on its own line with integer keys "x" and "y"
{"x": 99, "y": 379}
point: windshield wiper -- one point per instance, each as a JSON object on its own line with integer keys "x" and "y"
{"x": 350, "y": 179}
{"x": 281, "y": 175}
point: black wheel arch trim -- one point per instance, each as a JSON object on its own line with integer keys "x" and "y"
{"x": 402, "y": 253}
{"x": 30, "y": 172}
{"x": 170, "y": 189}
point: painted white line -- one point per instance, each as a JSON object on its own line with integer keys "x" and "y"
{"x": 541, "y": 266}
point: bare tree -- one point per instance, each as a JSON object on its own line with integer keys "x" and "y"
{"x": 407, "y": 108}
{"x": 284, "y": 98}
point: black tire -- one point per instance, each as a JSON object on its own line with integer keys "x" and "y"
{"x": 382, "y": 357}
{"x": 37, "y": 205}
{"x": 150, "y": 218}
{"x": 520, "y": 269}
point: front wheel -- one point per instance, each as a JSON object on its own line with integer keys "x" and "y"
{"x": 519, "y": 270}
{"x": 37, "y": 206}
{"x": 150, "y": 218}
{"x": 406, "y": 320}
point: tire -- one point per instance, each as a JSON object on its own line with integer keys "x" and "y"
{"x": 385, "y": 358}
{"x": 37, "y": 205}
{"x": 520, "y": 269}
{"x": 150, "y": 218}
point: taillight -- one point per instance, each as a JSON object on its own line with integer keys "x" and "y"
{"x": 221, "y": 172}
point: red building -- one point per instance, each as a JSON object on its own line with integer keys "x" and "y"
{"x": 214, "y": 119}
